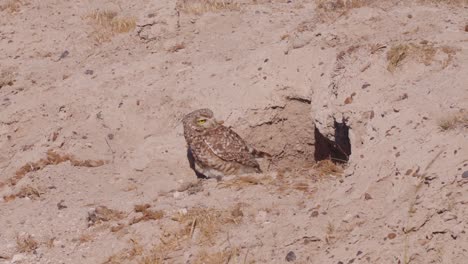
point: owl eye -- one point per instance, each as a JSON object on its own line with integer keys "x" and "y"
{"x": 201, "y": 121}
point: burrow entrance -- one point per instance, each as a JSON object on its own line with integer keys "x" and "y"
{"x": 288, "y": 133}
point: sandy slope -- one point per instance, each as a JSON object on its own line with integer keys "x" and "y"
{"x": 112, "y": 102}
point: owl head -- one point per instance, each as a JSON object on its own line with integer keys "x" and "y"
{"x": 200, "y": 120}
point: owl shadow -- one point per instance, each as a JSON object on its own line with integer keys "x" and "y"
{"x": 191, "y": 160}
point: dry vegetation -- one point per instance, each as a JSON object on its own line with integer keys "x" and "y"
{"x": 147, "y": 214}
{"x": 12, "y": 6}
{"x": 26, "y": 243}
{"x": 202, "y": 6}
{"x": 454, "y": 121}
{"x": 7, "y": 78}
{"x": 201, "y": 225}
{"x": 108, "y": 24}
{"x": 340, "y": 5}
{"x": 218, "y": 257}
{"x": 52, "y": 158}
{"x": 423, "y": 53}
{"x": 104, "y": 214}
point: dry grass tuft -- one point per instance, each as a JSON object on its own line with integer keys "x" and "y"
{"x": 201, "y": 224}
{"x": 26, "y": 243}
{"x": 12, "y": 6}
{"x": 52, "y": 158}
{"x": 447, "y": 2}
{"x": 107, "y": 24}
{"x": 28, "y": 191}
{"x": 207, "y": 220}
{"x": 217, "y": 257}
{"x": 7, "y": 78}
{"x": 454, "y": 121}
{"x": 104, "y": 214}
{"x": 199, "y": 7}
{"x": 396, "y": 55}
{"x": 340, "y": 5}
{"x": 147, "y": 214}
{"x": 244, "y": 181}
{"x": 422, "y": 53}
{"x": 327, "y": 167}
{"x": 128, "y": 255}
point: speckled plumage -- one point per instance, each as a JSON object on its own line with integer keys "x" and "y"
{"x": 217, "y": 150}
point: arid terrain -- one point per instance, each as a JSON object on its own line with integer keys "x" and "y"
{"x": 93, "y": 165}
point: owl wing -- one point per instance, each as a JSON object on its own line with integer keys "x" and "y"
{"x": 229, "y": 146}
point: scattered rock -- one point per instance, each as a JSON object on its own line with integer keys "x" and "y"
{"x": 291, "y": 256}
{"x": 367, "y": 196}
{"x": 60, "y": 205}
{"x": 18, "y": 258}
{"x": 64, "y": 55}
{"x": 465, "y": 175}
{"x": 391, "y": 236}
{"x": 89, "y": 72}
{"x": 314, "y": 214}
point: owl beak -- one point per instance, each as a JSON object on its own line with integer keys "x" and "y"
{"x": 220, "y": 122}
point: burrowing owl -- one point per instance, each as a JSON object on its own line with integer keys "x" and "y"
{"x": 215, "y": 150}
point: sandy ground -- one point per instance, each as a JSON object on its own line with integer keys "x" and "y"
{"x": 93, "y": 164}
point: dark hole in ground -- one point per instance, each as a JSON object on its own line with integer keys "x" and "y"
{"x": 338, "y": 150}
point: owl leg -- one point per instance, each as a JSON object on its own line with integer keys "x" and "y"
{"x": 191, "y": 160}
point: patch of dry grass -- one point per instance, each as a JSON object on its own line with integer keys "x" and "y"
{"x": 340, "y": 5}
{"x": 7, "y": 78}
{"x": 147, "y": 214}
{"x": 26, "y": 243}
{"x": 447, "y": 2}
{"x": 104, "y": 214}
{"x": 128, "y": 255}
{"x": 200, "y": 224}
{"x": 206, "y": 220}
{"x": 199, "y": 7}
{"x": 12, "y": 6}
{"x": 423, "y": 53}
{"x": 327, "y": 167}
{"x": 108, "y": 24}
{"x": 453, "y": 121}
{"x": 52, "y": 158}
{"x": 217, "y": 257}
{"x": 240, "y": 182}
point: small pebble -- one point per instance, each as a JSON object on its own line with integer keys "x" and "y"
{"x": 465, "y": 175}
{"x": 89, "y": 72}
{"x": 291, "y": 256}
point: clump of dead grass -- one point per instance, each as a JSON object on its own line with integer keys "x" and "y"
{"x": 328, "y": 167}
{"x": 25, "y": 191}
{"x": 200, "y": 224}
{"x": 128, "y": 255}
{"x": 199, "y": 7}
{"x": 339, "y": 5}
{"x": 147, "y": 214}
{"x": 225, "y": 256}
{"x": 52, "y": 158}
{"x": 453, "y": 121}
{"x": 12, "y": 6}
{"x": 104, "y": 214}
{"x": 108, "y": 24}
{"x": 446, "y": 2}
{"x": 207, "y": 220}
{"x": 26, "y": 243}
{"x": 240, "y": 182}
{"x": 422, "y": 53}
{"x": 7, "y": 78}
